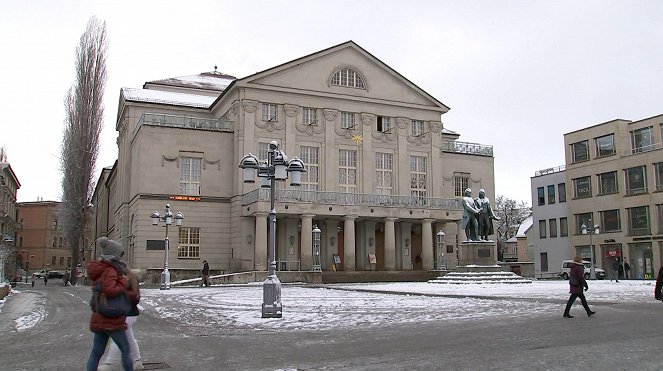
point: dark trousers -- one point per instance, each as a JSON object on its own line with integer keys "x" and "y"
{"x": 572, "y": 299}
{"x": 205, "y": 280}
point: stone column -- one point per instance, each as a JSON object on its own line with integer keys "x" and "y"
{"x": 389, "y": 244}
{"x": 349, "y": 243}
{"x": 427, "y": 244}
{"x": 260, "y": 247}
{"x": 306, "y": 239}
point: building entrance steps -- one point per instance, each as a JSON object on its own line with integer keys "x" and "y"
{"x": 480, "y": 278}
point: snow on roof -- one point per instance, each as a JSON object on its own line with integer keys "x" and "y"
{"x": 447, "y": 131}
{"x": 524, "y": 227}
{"x": 207, "y": 80}
{"x": 168, "y": 97}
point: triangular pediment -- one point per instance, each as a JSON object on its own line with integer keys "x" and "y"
{"x": 312, "y": 74}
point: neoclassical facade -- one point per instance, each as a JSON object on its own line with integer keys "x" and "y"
{"x": 383, "y": 173}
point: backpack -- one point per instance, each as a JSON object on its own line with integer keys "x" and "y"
{"x": 117, "y": 306}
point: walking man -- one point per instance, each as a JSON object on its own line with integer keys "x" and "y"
{"x": 205, "y": 274}
{"x": 615, "y": 270}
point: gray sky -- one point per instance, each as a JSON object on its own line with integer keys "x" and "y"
{"x": 516, "y": 74}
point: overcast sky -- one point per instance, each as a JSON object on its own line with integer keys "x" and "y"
{"x": 517, "y": 75}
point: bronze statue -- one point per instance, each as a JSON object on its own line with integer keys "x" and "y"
{"x": 470, "y": 214}
{"x": 486, "y": 215}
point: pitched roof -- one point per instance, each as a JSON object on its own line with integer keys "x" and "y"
{"x": 167, "y": 97}
{"x": 207, "y": 80}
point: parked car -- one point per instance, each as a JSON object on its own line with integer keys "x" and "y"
{"x": 566, "y": 268}
{"x": 41, "y": 273}
{"x": 49, "y": 273}
{"x": 55, "y": 274}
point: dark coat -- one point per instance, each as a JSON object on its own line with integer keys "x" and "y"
{"x": 577, "y": 272}
{"x": 659, "y": 285}
{"x": 206, "y": 269}
{"x": 114, "y": 283}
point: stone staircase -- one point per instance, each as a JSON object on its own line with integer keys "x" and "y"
{"x": 479, "y": 278}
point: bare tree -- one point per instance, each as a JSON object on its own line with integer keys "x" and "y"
{"x": 511, "y": 213}
{"x": 80, "y": 144}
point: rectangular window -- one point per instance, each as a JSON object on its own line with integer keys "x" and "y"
{"x": 417, "y": 128}
{"x": 61, "y": 261}
{"x": 563, "y": 227}
{"x": 383, "y": 173}
{"x": 638, "y": 221}
{"x": 189, "y": 243}
{"x": 263, "y": 151}
{"x": 347, "y": 120}
{"x": 658, "y": 172}
{"x": 418, "y": 176}
{"x": 60, "y": 242}
{"x": 608, "y": 183}
{"x": 309, "y": 116}
{"x": 642, "y": 140}
{"x": 583, "y": 219}
{"x": 605, "y": 145}
{"x": 461, "y": 183}
{"x": 53, "y": 261}
{"x": 309, "y": 156}
{"x": 269, "y": 112}
{"x": 69, "y": 261}
{"x": 542, "y": 229}
{"x": 561, "y": 190}
{"x": 190, "y": 175}
{"x": 552, "y": 224}
{"x": 551, "y": 194}
{"x": 659, "y": 212}
{"x": 582, "y": 187}
{"x": 579, "y": 152}
{"x": 544, "y": 262}
{"x": 636, "y": 180}
{"x": 610, "y": 220}
{"x": 541, "y": 196}
{"x": 347, "y": 171}
{"x": 384, "y": 125}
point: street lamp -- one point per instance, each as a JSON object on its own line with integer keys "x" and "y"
{"x": 317, "y": 267}
{"x": 595, "y": 230}
{"x": 167, "y": 218}
{"x": 442, "y": 262}
{"x": 277, "y": 167}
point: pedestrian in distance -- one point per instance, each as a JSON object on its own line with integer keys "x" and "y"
{"x": 32, "y": 279}
{"x": 576, "y": 284}
{"x": 65, "y": 277}
{"x": 658, "y": 295}
{"x": 109, "y": 271}
{"x": 113, "y": 354}
{"x": 615, "y": 270}
{"x": 205, "y": 273}
{"x": 45, "y": 279}
{"x": 627, "y": 270}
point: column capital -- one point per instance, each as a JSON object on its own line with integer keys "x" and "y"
{"x": 308, "y": 216}
{"x": 391, "y": 219}
{"x": 350, "y": 217}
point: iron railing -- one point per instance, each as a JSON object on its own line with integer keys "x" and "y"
{"x": 467, "y": 148}
{"x": 187, "y": 122}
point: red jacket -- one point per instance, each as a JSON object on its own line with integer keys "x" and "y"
{"x": 577, "y": 272}
{"x": 114, "y": 283}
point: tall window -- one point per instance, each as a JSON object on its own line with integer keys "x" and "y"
{"x": 384, "y": 125}
{"x": 582, "y": 187}
{"x": 659, "y": 212}
{"x": 584, "y": 219}
{"x": 189, "y": 243}
{"x": 552, "y": 224}
{"x": 542, "y": 229}
{"x": 608, "y": 183}
{"x": 541, "y": 196}
{"x": 551, "y": 194}
{"x": 561, "y": 189}
{"x": 53, "y": 260}
{"x": 190, "y": 175}
{"x": 347, "y": 77}
{"x": 383, "y": 173}
{"x": 544, "y": 262}
{"x": 347, "y": 120}
{"x": 658, "y": 172}
{"x": 610, "y": 220}
{"x": 309, "y": 156}
{"x": 417, "y": 128}
{"x": 638, "y": 220}
{"x": 605, "y": 145}
{"x": 563, "y": 227}
{"x": 269, "y": 112}
{"x": 263, "y": 151}
{"x": 461, "y": 183}
{"x": 347, "y": 171}
{"x": 579, "y": 151}
{"x": 418, "y": 176}
{"x": 309, "y": 116}
{"x": 642, "y": 140}
{"x": 636, "y": 180}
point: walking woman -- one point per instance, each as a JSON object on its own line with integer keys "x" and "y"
{"x": 109, "y": 270}
{"x": 576, "y": 284}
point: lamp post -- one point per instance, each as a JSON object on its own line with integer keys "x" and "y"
{"x": 595, "y": 230}
{"x": 167, "y": 218}
{"x": 442, "y": 262}
{"x": 317, "y": 266}
{"x": 276, "y": 168}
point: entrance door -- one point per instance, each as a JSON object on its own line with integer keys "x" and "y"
{"x": 379, "y": 249}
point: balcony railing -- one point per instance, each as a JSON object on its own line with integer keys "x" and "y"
{"x": 185, "y": 122}
{"x": 352, "y": 199}
{"x": 643, "y": 149}
{"x": 467, "y": 148}
{"x": 550, "y": 170}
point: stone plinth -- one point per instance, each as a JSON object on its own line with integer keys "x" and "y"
{"x": 477, "y": 253}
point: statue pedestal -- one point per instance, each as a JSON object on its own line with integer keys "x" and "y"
{"x": 477, "y": 253}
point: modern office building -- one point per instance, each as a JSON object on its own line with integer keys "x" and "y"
{"x": 383, "y": 173}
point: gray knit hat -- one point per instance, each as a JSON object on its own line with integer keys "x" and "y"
{"x": 110, "y": 247}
